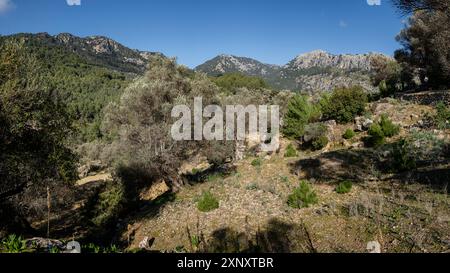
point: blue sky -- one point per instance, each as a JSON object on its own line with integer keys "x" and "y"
{"x": 272, "y": 31}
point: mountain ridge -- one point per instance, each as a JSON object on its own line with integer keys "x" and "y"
{"x": 312, "y": 71}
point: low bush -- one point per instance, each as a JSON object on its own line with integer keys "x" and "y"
{"x": 290, "y": 151}
{"x": 257, "y": 162}
{"x": 388, "y": 127}
{"x": 442, "y": 118}
{"x": 320, "y": 143}
{"x": 109, "y": 204}
{"x": 376, "y": 136}
{"x": 344, "y": 187}
{"x": 380, "y": 130}
{"x": 303, "y": 196}
{"x": 207, "y": 202}
{"x": 315, "y": 136}
{"x": 349, "y": 134}
{"x": 403, "y": 159}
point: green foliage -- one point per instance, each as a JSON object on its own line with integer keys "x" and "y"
{"x": 316, "y": 136}
{"x": 344, "y": 104}
{"x": 96, "y": 249}
{"x": 303, "y": 196}
{"x": 257, "y": 162}
{"x": 344, "y": 187}
{"x": 442, "y": 118}
{"x": 379, "y": 131}
{"x": 35, "y": 125}
{"x": 290, "y": 151}
{"x": 376, "y": 135}
{"x": 319, "y": 143}
{"x": 403, "y": 159}
{"x": 109, "y": 204}
{"x": 81, "y": 82}
{"x": 214, "y": 177}
{"x": 13, "y": 244}
{"x": 386, "y": 74}
{"x": 388, "y": 127}
{"x": 252, "y": 187}
{"x": 207, "y": 202}
{"x": 425, "y": 45}
{"x": 232, "y": 81}
{"x": 300, "y": 112}
{"x": 349, "y": 134}
{"x": 140, "y": 122}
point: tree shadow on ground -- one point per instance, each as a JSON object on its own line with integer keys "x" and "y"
{"x": 276, "y": 237}
{"x": 364, "y": 165}
{"x": 355, "y": 165}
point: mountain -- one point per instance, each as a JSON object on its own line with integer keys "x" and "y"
{"x": 312, "y": 72}
{"x": 225, "y": 64}
{"x": 96, "y": 50}
{"x": 106, "y": 52}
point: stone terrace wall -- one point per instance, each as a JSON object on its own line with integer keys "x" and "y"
{"x": 426, "y": 97}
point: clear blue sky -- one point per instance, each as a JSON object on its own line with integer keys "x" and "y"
{"x": 272, "y": 31}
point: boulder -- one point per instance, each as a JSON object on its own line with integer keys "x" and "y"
{"x": 90, "y": 168}
{"x": 363, "y": 124}
{"x": 153, "y": 192}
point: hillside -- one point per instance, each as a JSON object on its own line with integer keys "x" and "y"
{"x": 87, "y": 73}
{"x": 311, "y": 72}
{"x": 253, "y": 214}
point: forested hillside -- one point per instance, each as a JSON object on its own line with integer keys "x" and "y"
{"x": 84, "y": 78}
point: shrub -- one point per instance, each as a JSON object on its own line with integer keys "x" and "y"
{"x": 402, "y": 156}
{"x": 300, "y": 112}
{"x": 376, "y": 135}
{"x": 207, "y": 202}
{"x": 290, "y": 151}
{"x": 315, "y": 136}
{"x": 319, "y": 143}
{"x": 109, "y": 204}
{"x": 257, "y": 162}
{"x": 303, "y": 196}
{"x": 344, "y": 187}
{"x": 382, "y": 129}
{"x": 442, "y": 118}
{"x": 349, "y": 134}
{"x": 344, "y": 104}
{"x": 388, "y": 127}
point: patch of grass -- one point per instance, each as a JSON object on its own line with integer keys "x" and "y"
{"x": 303, "y": 196}
{"x": 252, "y": 187}
{"x": 257, "y": 162}
{"x": 214, "y": 177}
{"x": 349, "y": 134}
{"x": 291, "y": 151}
{"x": 207, "y": 202}
{"x": 344, "y": 187}
{"x": 284, "y": 179}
